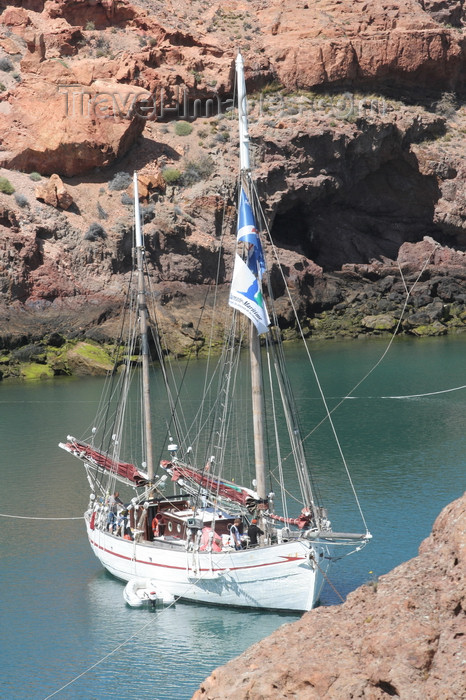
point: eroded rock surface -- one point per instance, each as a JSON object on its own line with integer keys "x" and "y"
{"x": 348, "y": 179}
{"x": 400, "y": 636}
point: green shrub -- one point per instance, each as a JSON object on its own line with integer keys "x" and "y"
{"x": 222, "y": 137}
{"x": 171, "y": 175}
{"x": 2, "y": 87}
{"x": 5, "y": 186}
{"x": 35, "y": 176}
{"x": 90, "y": 26}
{"x": 183, "y": 128}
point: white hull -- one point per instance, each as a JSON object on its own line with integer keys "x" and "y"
{"x": 279, "y": 577}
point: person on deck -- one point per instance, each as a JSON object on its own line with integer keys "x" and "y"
{"x": 235, "y": 534}
{"x": 114, "y": 501}
{"x": 253, "y": 532}
{"x": 158, "y": 527}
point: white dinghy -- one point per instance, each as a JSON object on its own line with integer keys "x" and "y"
{"x": 145, "y": 591}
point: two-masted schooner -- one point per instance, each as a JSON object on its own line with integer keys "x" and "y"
{"x": 193, "y": 543}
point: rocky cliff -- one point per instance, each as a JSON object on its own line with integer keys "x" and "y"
{"x": 400, "y": 636}
{"x": 357, "y": 122}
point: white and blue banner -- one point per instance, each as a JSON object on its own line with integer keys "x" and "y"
{"x": 246, "y": 296}
{"x": 248, "y": 233}
{"x": 245, "y": 293}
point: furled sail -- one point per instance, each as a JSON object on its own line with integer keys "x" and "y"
{"x": 103, "y": 461}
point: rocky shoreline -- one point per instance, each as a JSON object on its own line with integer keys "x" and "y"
{"x": 421, "y": 295}
{"x": 401, "y": 635}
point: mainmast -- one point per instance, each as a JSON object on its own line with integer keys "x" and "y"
{"x": 143, "y": 325}
{"x": 255, "y": 354}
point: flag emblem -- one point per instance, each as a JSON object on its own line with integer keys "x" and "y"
{"x": 245, "y": 293}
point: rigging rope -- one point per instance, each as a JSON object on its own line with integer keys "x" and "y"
{"x": 429, "y": 393}
{"x": 324, "y": 574}
{"x": 322, "y": 395}
{"x": 316, "y": 377}
{"x": 32, "y": 517}
{"x": 395, "y": 332}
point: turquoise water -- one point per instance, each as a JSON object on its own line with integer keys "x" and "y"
{"x": 61, "y": 614}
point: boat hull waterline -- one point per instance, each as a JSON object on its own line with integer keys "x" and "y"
{"x": 280, "y": 577}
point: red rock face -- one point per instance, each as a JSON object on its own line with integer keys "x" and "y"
{"x": 360, "y": 43}
{"x": 102, "y": 13}
{"x": 343, "y": 193}
{"x": 402, "y": 636}
{"x": 304, "y": 44}
{"x": 64, "y": 126}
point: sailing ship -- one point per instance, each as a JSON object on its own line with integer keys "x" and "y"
{"x": 194, "y": 543}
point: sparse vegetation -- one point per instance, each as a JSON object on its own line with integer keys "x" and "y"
{"x": 275, "y": 86}
{"x": 29, "y": 353}
{"x": 90, "y": 26}
{"x": 6, "y": 64}
{"x": 171, "y": 175}
{"x": 120, "y": 181}
{"x": 21, "y": 200}
{"x": 183, "y": 128}
{"x": 5, "y": 186}
{"x": 94, "y": 232}
{"x": 196, "y": 170}
{"x": 126, "y": 199}
{"x": 122, "y": 228}
{"x": 35, "y": 177}
{"x": 147, "y": 213}
{"x": 101, "y": 213}
{"x": 447, "y": 104}
{"x": 102, "y": 46}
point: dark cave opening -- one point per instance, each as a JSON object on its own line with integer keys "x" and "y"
{"x": 361, "y": 220}
{"x": 291, "y": 228}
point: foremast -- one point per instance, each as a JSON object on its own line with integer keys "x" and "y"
{"x": 143, "y": 334}
{"x": 255, "y": 354}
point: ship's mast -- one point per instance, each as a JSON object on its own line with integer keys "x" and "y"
{"x": 255, "y": 354}
{"x": 143, "y": 325}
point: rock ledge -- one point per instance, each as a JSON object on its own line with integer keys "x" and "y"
{"x": 401, "y": 636}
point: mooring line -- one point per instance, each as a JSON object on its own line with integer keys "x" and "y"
{"x": 110, "y": 653}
